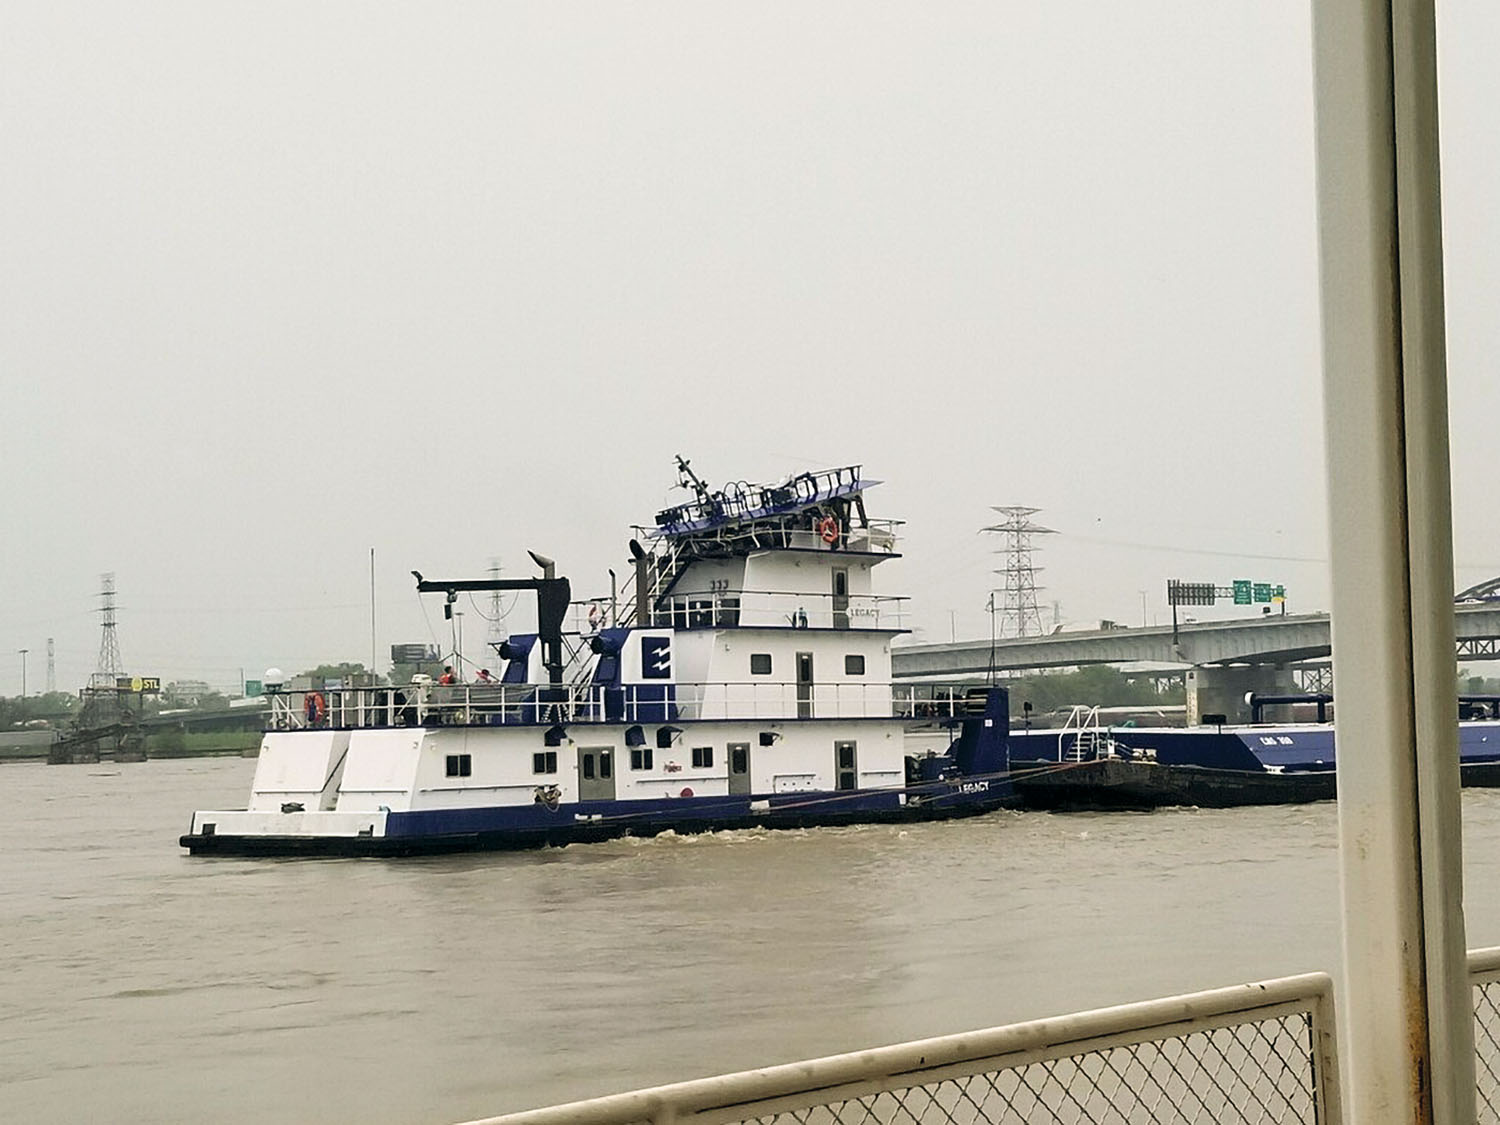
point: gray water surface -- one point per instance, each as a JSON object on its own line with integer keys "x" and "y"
{"x": 143, "y": 985}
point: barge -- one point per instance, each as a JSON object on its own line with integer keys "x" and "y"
{"x": 1086, "y": 766}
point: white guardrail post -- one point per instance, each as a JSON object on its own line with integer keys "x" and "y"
{"x": 1407, "y": 1020}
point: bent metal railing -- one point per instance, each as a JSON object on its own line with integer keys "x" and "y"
{"x": 1251, "y": 1053}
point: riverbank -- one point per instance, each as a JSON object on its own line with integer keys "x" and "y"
{"x": 36, "y": 745}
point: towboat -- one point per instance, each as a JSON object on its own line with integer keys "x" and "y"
{"x": 745, "y": 682}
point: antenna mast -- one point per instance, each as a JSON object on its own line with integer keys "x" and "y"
{"x": 1020, "y": 616}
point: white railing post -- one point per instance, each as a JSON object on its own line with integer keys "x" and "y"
{"x": 1328, "y": 1102}
{"x": 1407, "y": 1035}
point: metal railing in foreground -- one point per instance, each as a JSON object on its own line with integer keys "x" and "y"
{"x": 1251, "y": 1053}
{"x": 1484, "y": 975}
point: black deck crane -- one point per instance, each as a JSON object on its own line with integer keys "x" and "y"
{"x": 553, "y": 595}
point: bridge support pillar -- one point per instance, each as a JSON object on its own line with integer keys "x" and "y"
{"x": 1221, "y": 690}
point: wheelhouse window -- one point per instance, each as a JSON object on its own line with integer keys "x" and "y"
{"x": 544, "y": 762}
{"x": 760, "y": 663}
{"x": 854, "y": 664}
{"x": 641, "y": 758}
{"x": 460, "y": 765}
{"x": 703, "y": 757}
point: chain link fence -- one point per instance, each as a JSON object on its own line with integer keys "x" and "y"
{"x": 1252, "y": 1054}
{"x": 1484, "y": 974}
{"x": 1253, "y": 1072}
{"x": 1255, "y": 1054}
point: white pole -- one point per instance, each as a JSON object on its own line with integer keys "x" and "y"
{"x": 373, "y": 647}
{"x": 1407, "y": 1024}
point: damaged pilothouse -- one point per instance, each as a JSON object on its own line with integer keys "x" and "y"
{"x": 746, "y": 682}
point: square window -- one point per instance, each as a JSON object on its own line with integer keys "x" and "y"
{"x": 641, "y": 758}
{"x": 760, "y": 663}
{"x": 459, "y": 765}
{"x": 703, "y": 756}
{"x": 544, "y": 762}
{"x": 854, "y": 664}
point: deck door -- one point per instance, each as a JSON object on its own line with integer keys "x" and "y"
{"x": 739, "y": 768}
{"x": 804, "y": 685}
{"x": 845, "y": 765}
{"x": 841, "y": 598}
{"x": 596, "y": 773}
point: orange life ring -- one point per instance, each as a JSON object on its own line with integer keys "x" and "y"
{"x": 828, "y": 529}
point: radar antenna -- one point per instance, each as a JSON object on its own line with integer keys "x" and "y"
{"x": 686, "y": 478}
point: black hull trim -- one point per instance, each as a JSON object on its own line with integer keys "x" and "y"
{"x": 1136, "y": 786}
{"x": 582, "y": 832}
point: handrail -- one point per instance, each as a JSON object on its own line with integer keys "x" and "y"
{"x": 1083, "y": 724}
{"x": 495, "y": 704}
{"x": 739, "y": 608}
{"x": 1485, "y": 962}
{"x": 741, "y": 500}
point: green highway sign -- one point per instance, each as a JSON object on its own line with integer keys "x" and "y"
{"x": 1244, "y": 591}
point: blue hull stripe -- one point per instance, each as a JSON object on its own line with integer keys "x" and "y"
{"x": 660, "y": 814}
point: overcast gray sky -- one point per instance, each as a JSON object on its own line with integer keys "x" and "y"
{"x": 283, "y": 282}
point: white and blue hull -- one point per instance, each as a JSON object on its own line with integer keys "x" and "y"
{"x": 495, "y": 829}
{"x": 402, "y": 791}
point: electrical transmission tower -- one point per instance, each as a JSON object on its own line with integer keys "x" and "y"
{"x": 1019, "y": 615}
{"x": 498, "y": 631}
{"x": 110, "y": 663}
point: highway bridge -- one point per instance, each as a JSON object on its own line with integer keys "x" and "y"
{"x": 1222, "y": 659}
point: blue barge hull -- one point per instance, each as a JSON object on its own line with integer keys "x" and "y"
{"x": 1209, "y": 768}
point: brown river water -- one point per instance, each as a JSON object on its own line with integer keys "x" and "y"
{"x": 142, "y": 985}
